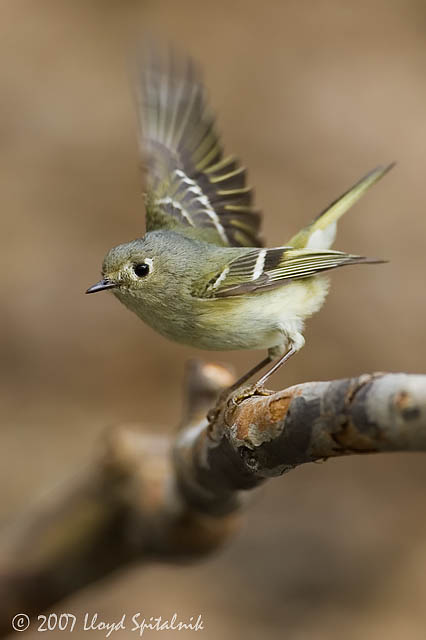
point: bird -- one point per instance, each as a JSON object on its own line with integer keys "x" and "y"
{"x": 200, "y": 274}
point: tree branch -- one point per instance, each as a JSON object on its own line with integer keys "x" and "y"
{"x": 148, "y": 497}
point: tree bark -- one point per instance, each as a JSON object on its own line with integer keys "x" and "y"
{"x": 148, "y": 497}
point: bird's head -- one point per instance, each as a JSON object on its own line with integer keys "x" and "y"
{"x": 147, "y": 268}
{"x": 129, "y": 269}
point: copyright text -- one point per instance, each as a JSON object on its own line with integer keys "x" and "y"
{"x": 137, "y": 623}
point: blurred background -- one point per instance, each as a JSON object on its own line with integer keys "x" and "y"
{"x": 311, "y": 95}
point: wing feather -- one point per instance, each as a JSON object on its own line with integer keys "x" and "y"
{"x": 190, "y": 183}
{"x": 262, "y": 269}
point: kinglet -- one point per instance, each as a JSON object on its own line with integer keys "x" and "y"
{"x": 200, "y": 275}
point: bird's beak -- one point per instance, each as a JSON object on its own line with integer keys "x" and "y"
{"x": 101, "y": 286}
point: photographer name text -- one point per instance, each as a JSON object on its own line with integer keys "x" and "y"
{"x": 137, "y": 623}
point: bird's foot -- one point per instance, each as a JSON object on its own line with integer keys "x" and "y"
{"x": 234, "y": 397}
{"x": 251, "y": 390}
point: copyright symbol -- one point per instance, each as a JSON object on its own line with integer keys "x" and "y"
{"x": 20, "y": 622}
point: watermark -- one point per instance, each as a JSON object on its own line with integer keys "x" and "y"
{"x": 136, "y": 623}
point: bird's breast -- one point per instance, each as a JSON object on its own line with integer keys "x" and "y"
{"x": 255, "y": 321}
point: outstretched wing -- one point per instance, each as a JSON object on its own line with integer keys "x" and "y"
{"x": 190, "y": 183}
{"x": 262, "y": 269}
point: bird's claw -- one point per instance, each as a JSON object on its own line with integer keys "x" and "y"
{"x": 255, "y": 389}
{"x": 230, "y": 397}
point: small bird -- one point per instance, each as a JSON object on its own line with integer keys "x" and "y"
{"x": 200, "y": 275}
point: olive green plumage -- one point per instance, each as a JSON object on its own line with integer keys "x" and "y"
{"x": 200, "y": 274}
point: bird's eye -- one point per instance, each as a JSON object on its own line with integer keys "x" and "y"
{"x": 141, "y": 270}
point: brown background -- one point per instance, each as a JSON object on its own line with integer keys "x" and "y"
{"x": 311, "y": 94}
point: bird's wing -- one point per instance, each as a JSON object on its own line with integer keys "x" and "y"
{"x": 190, "y": 183}
{"x": 262, "y": 269}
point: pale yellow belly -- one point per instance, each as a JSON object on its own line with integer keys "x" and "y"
{"x": 263, "y": 320}
{"x": 258, "y": 321}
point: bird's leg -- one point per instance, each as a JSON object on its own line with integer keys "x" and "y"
{"x": 257, "y": 388}
{"x": 212, "y": 414}
{"x": 277, "y": 365}
{"x": 258, "y": 367}
{"x": 296, "y": 343}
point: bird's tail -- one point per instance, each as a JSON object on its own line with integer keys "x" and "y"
{"x": 321, "y": 232}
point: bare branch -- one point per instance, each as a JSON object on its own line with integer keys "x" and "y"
{"x": 147, "y": 497}
{"x": 264, "y": 436}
